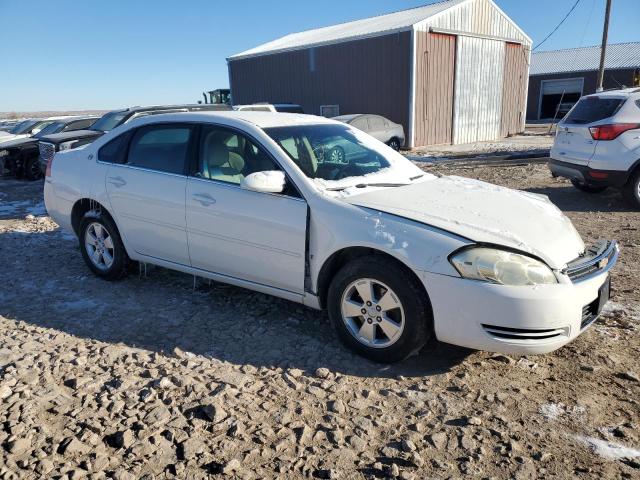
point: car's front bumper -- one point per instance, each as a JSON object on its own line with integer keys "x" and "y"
{"x": 585, "y": 174}
{"x": 516, "y": 319}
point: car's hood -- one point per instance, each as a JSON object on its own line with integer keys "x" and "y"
{"x": 16, "y": 142}
{"x": 483, "y": 213}
{"x": 10, "y": 137}
{"x": 57, "y": 138}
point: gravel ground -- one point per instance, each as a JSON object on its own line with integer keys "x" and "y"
{"x": 532, "y": 141}
{"x": 152, "y": 377}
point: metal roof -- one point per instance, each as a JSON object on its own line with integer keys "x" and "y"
{"x": 619, "y": 55}
{"x": 368, "y": 27}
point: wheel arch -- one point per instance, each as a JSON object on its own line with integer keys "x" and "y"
{"x": 341, "y": 257}
{"x": 84, "y": 205}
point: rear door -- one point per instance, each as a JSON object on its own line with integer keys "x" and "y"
{"x": 574, "y": 142}
{"x": 147, "y": 191}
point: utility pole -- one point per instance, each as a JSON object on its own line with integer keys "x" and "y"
{"x": 603, "y": 52}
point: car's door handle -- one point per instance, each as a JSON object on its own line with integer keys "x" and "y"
{"x": 117, "y": 181}
{"x": 204, "y": 199}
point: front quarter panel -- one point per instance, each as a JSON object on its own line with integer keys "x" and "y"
{"x": 336, "y": 225}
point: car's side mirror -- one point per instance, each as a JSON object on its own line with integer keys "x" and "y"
{"x": 271, "y": 181}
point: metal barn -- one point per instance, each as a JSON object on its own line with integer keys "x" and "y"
{"x": 563, "y": 76}
{"x": 449, "y": 72}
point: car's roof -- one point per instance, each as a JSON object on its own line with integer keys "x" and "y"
{"x": 623, "y": 92}
{"x": 260, "y": 119}
{"x": 348, "y": 118}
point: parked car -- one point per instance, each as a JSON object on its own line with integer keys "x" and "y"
{"x": 6, "y": 125}
{"x": 26, "y": 128}
{"x": 22, "y": 131}
{"x": 396, "y": 255}
{"x": 378, "y": 127}
{"x": 21, "y": 156}
{"x": 270, "y": 107}
{"x": 50, "y": 144}
{"x": 597, "y": 145}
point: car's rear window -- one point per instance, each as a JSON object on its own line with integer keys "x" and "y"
{"x": 592, "y": 109}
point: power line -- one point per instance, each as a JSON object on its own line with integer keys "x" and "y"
{"x": 558, "y": 26}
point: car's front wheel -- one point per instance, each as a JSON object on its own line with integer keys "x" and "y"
{"x": 32, "y": 169}
{"x": 102, "y": 247}
{"x": 585, "y": 187}
{"x": 379, "y": 309}
{"x": 631, "y": 190}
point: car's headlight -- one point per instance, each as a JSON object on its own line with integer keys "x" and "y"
{"x": 501, "y": 266}
{"x": 4, "y": 153}
{"x": 67, "y": 145}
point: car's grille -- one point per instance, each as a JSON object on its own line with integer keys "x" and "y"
{"x": 597, "y": 259}
{"x": 508, "y": 333}
{"x": 47, "y": 151}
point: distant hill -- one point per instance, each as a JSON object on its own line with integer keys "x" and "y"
{"x": 46, "y": 113}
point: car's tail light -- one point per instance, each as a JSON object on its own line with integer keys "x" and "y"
{"x": 47, "y": 172}
{"x": 612, "y": 131}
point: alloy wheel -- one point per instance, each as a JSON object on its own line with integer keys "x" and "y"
{"x": 99, "y": 246}
{"x": 372, "y": 313}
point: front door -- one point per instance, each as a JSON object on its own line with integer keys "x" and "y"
{"x": 147, "y": 192}
{"x": 258, "y": 237}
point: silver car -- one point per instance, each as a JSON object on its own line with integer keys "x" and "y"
{"x": 378, "y": 127}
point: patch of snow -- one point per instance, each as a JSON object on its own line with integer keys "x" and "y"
{"x": 79, "y": 305}
{"x": 608, "y": 449}
{"x": 553, "y": 411}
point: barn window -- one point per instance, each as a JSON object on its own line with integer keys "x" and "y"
{"x": 312, "y": 59}
{"x": 329, "y": 111}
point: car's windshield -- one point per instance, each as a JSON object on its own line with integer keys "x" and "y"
{"x": 22, "y": 127}
{"x": 54, "y": 127}
{"x": 108, "y": 121}
{"x": 338, "y": 156}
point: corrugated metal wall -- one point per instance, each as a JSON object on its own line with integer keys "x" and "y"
{"x": 516, "y": 63}
{"x": 479, "y": 17}
{"x": 363, "y": 76}
{"x": 435, "y": 75}
{"x": 478, "y": 94}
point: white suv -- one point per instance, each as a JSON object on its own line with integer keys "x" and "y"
{"x": 597, "y": 144}
{"x": 396, "y": 255}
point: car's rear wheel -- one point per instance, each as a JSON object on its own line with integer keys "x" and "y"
{"x": 394, "y": 143}
{"x": 585, "y": 187}
{"x": 379, "y": 309}
{"x": 102, "y": 247}
{"x": 631, "y": 190}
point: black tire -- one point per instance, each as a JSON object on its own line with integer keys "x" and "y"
{"x": 394, "y": 143}
{"x": 631, "y": 190}
{"x": 336, "y": 155}
{"x": 31, "y": 168}
{"x": 418, "y": 317}
{"x": 585, "y": 187}
{"x": 120, "y": 264}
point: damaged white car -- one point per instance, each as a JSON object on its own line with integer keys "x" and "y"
{"x": 397, "y": 256}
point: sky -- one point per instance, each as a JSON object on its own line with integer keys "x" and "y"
{"x": 104, "y": 54}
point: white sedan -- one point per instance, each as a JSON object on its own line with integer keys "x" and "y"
{"x": 397, "y": 256}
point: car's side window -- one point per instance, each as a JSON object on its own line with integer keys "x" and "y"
{"x": 376, "y": 123}
{"x": 228, "y": 156}
{"x": 163, "y": 148}
{"x": 361, "y": 124}
{"x": 78, "y": 125}
{"x": 115, "y": 150}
